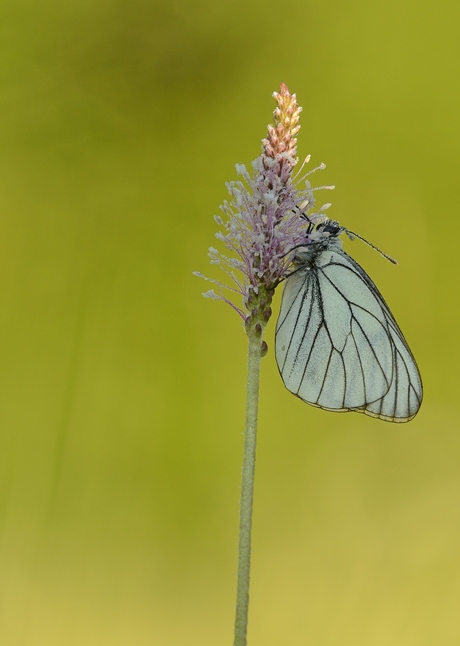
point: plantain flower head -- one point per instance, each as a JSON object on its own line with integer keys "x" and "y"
{"x": 266, "y": 216}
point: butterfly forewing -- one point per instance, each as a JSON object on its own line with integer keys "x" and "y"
{"x": 337, "y": 344}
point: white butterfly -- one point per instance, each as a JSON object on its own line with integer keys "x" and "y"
{"x": 338, "y": 346}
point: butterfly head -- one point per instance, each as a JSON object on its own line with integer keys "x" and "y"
{"x": 319, "y": 237}
{"x": 330, "y": 228}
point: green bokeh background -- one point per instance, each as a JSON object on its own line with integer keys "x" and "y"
{"x": 122, "y": 390}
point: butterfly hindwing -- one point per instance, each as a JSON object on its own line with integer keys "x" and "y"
{"x": 339, "y": 347}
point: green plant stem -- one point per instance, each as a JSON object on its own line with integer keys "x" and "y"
{"x": 247, "y": 487}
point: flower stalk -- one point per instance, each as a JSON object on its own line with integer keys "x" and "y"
{"x": 247, "y": 487}
{"x": 257, "y": 348}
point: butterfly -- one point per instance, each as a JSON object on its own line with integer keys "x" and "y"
{"x": 337, "y": 344}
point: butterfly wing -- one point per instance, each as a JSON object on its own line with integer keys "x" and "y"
{"x": 339, "y": 347}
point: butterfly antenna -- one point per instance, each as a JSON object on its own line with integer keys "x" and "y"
{"x": 352, "y": 234}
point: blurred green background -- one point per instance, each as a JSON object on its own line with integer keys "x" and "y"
{"x": 122, "y": 389}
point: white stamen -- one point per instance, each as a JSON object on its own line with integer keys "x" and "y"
{"x": 305, "y": 161}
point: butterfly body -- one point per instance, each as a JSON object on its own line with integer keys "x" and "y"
{"x": 338, "y": 346}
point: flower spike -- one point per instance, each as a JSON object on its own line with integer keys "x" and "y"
{"x": 263, "y": 217}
